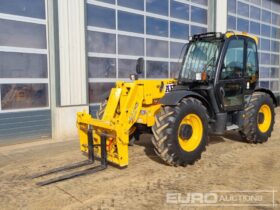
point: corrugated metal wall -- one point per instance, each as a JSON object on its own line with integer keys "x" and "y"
{"x": 18, "y": 127}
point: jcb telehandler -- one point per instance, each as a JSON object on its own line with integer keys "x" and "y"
{"x": 216, "y": 91}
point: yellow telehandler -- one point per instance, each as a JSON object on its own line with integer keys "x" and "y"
{"x": 216, "y": 91}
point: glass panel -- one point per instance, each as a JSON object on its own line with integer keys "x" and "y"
{"x": 107, "y": 1}
{"x": 179, "y": 10}
{"x": 233, "y": 61}
{"x": 264, "y": 72}
{"x": 274, "y": 85}
{"x": 197, "y": 30}
{"x": 134, "y": 4}
{"x": 231, "y": 22}
{"x": 265, "y": 30}
{"x": 243, "y": 9}
{"x": 266, "y": 4}
{"x": 274, "y": 73}
{"x": 20, "y": 34}
{"x": 157, "y": 69}
{"x": 275, "y": 46}
{"x": 198, "y": 15}
{"x": 98, "y": 92}
{"x": 127, "y": 67}
{"x": 264, "y": 84}
{"x": 157, "y": 27}
{"x": 233, "y": 94}
{"x": 266, "y": 16}
{"x": 156, "y": 48}
{"x": 242, "y": 25}
{"x": 101, "y": 67}
{"x": 157, "y": 6}
{"x": 20, "y": 96}
{"x": 252, "y": 65}
{"x": 275, "y": 6}
{"x": 273, "y": 32}
{"x": 232, "y": 6}
{"x": 174, "y": 69}
{"x": 278, "y": 33}
{"x": 100, "y": 16}
{"x": 179, "y": 30}
{"x": 275, "y": 19}
{"x": 101, "y": 42}
{"x": 176, "y": 49}
{"x": 255, "y": 13}
{"x": 130, "y": 22}
{"x": 202, "y": 2}
{"x": 131, "y": 45}
{"x": 265, "y": 44}
{"x": 29, "y": 8}
{"x": 255, "y": 28}
{"x": 265, "y": 58}
{"x": 200, "y": 56}
{"x": 274, "y": 59}
{"x": 258, "y": 2}
{"x": 23, "y": 65}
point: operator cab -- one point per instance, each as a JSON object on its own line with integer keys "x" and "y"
{"x": 226, "y": 63}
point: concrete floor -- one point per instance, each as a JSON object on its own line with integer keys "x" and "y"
{"x": 228, "y": 164}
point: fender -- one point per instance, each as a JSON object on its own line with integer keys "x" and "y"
{"x": 174, "y": 97}
{"x": 269, "y": 92}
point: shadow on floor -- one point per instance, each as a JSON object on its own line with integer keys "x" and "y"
{"x": 146, "y": 142}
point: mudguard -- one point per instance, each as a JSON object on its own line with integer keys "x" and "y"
{"x": 174, "y": 97}
{"x": 272, "y": 95}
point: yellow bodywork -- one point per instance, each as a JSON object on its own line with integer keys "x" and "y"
{"x": 128, "y": 103}
{"x": 229, "y": 34}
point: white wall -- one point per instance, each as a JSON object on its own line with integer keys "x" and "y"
{"x": 67, "y": 66}
{"x": 221, "y": 16}
{"x": 73, "y": 84}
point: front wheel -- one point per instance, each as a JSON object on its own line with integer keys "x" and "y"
{"x": 181, "y": 132}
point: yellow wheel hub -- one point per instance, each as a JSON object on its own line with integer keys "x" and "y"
{"x": 194, "y": 140}
{"x": 266, "y": 122}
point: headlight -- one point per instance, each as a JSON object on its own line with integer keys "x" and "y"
{"x": 198, "y": 76}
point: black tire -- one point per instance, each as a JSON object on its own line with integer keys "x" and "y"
{"x": 166, "y": 128}
{"x": 251, "y": 132}
{"x": 134, "y": 136}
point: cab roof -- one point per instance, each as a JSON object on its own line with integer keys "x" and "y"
{"x": 231, "y": 33}
{"x": 217, "y": 35}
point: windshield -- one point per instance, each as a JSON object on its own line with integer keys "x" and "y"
{"x": 201, "y": 56}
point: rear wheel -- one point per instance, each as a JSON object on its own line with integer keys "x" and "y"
{"x": 259, "y": 118}
{"x": 181, "y": 132}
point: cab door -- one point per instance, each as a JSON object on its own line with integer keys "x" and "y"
{"x": 230, "y": 85}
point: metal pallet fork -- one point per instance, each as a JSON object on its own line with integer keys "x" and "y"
{"x": 90, "y": 161}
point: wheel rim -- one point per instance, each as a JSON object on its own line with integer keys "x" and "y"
{"x": 193, "y": 142}
{"x": 266, "y": 122}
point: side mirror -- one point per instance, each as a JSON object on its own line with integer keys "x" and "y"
{"x": 140, "y": 65}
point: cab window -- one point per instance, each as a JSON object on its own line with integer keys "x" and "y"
{"x": 252, "y": 65}
{"x": 234, "y": 61}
